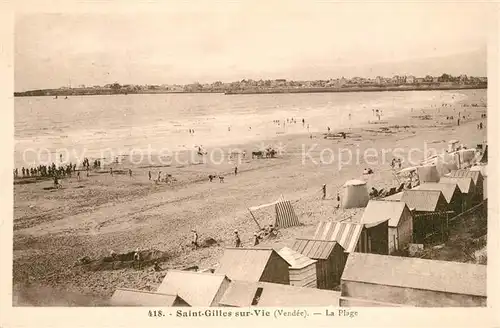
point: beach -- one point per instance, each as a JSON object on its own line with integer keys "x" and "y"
{"x": 91, "y": 217}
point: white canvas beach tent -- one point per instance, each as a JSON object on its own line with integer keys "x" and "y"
{"x": 284, "y": 213}
{"x": 355, "y": 194}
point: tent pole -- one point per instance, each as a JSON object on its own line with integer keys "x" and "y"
{"x": 257, "y": 223}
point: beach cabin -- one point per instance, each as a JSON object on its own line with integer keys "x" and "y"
{"x": 467, "y": 188}
{"x": 330, "y": 260}
{"x": 355, "y": 194}
{"x": 356, "y": 237}
{"x": 247, "y": 294}
{"x": 302, "y": 269}
{"x": 450, "y": 191}
{"x": 133, "y": 297}
{"x": 400, "y": 221}
{"x": 429, "y": 209}
{"x": 414, "y": 281}
{"x": 427, "y": 173}
{"x": 478, "y": 179}
{"x": 465, "y": 157}
{"x": 195, "y": 288}
{"x": 254, "y": 264}
{"x": 453, "y": 145}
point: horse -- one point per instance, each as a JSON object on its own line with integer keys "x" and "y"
{"x": 221, "y": 179}
{"x": 270, "y": 153}
{"x": 257, "y": 154}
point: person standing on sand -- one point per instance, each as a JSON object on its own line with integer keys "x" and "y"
{"x": 194, "y": 242}
{"x": 159, "y": 177}
{"x": 149, "y": 175}
{"x": 235, "y": 170}
{"x": 78, "y": 175}
{"x": 237, "y": 240}
{"x": 88, "y": 171}
{"x": 324, "y": 191}
{"x": 256, "y": 238}
{"x": 130, "y": 172}
{"x": 458, "y": 122}
{"x": 110, "y": 170}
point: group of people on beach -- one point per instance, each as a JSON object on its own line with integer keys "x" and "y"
{"x": 395, "y": 162}
{"x": 45, "y": 171}
{"x": 167, "y": 177}
{"x": 265, "y": 232}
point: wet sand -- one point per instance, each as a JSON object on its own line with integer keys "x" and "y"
{"x": 54, "y": 228}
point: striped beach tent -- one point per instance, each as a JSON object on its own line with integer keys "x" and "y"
{"x": 355, "y": 237}
{"x": 345, "y": 233}
{"x": 284, "y": 213}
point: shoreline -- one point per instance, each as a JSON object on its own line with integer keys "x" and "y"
{"x": 248, "y": 142}
{"x": 105, "y": 92}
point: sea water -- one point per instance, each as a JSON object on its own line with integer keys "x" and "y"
{"x": 121, "y": 124}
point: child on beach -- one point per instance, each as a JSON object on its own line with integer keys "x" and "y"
{"x": 237, "y": 240}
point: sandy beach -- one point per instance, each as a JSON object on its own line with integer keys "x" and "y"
{"x": 54, "y": 228}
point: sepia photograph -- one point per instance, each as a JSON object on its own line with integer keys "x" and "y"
{"x": 328, "y": 154}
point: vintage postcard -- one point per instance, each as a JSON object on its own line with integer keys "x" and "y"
{"x": 295, "y": 163}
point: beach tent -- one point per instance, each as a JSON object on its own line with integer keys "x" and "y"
{"x": 400, "y": 221}
{"x": 330, "y": 260}
{"x": 195, "y": 288}
{"x": 444, "y": 163}
{"x": 465, "y": 157}
{"x": 452, "y": 145}
{"x": 284, "y": 213}
{"x": 414, "y": 281}
{"x": 355, "y": 194}
{"x": 254, "y": 264}
{"x": 302, "y": 269}
{"x": 132, "y": 297}
{"x": 428, "y": 173}
{"x": 356, "y": 237}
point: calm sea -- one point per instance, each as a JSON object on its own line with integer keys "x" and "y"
{"x": 45, "y": 126}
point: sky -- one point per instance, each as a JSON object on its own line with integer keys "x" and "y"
{"x": 237, "y": 40}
